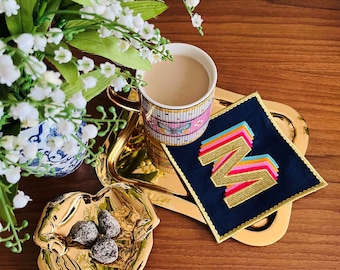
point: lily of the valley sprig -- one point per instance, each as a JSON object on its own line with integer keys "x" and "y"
{"x": 48, "y": 72}
{"x": 196, "y": 19}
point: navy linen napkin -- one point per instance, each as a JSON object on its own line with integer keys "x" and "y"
{"x": 271, "y": 154}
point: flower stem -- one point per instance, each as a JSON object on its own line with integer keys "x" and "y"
{"x": 13, "y": 241}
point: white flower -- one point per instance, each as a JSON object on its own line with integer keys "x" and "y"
{"x": 98, "y": 8}
{"x": 127, "y": 11}
{"x": 135, "y": 43}
{"x": 109, "y": 14}
{"x": 1, "y": 227}
{"x": 58, "y": 96}
{"x": 10, "y": 7}
{"x": 84, "y": 10}
{"x": 40, "y": 42}
{"x": 78, "y": 100}
{"x": 30, "y": 150}
{"x": 62, "y": 55}
{"x": 25, "y": 42}
{"x": 116, "y": 8}
{"x": 9, "y": 73}
{"x": 196, "y": 20}
{"x": 107, "y": 69}
{"x": 40, "y": 93}
{"x": 192, "y": 3}
{"x": 89, "y": 82}
{"x": 34, "y": 67}
{"x": 104, "y": 32}
{"x": 85, "y": 64}
{"x": 12, "y": 174}
{"x": 71, "y": 147}
{"x": 117, "y": 33}
{"x": 118, "y": 83}
{"x": 26, "y": 113}
{"x": 20, "y": 200}
{"x": 147, "y": 30}
{"x": 77, "y": 117}
{"x": 123, "y": 45}
{"x": 54, "y": 35}
{"x": 65, "y": 127}
{"x": 138, "y": 22}
{"x": 13, "y": 156}
{"x": 50, "y": 77}
{"x": 55, "y": 143}
{"x": 145, "y": 53}
{"x": 126, "y": 19}
{"x": 90, "y": 131}
{"x": 51, "y": 110}
{"x": 8, "y": 142}
{"x": 156, "y": 58}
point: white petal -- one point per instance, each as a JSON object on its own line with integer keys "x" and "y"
{"x": 90, "y": 131}
{"x": 78, "y": 100}
{"x": 89, "y": 82}
{"x": 12, "y": 174}
{"x": 20, "y": 200}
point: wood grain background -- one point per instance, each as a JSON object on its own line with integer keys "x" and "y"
{"x": 288, "y": 51}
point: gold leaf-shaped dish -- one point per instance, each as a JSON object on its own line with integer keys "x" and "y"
{"x": 128, "y": 204}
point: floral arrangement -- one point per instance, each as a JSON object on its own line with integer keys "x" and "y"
{"x": 43, "y": 78}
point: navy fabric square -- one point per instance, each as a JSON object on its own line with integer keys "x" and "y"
{"x": 296, "y": 176}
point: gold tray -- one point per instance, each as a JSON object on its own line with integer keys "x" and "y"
{"x": 126, "y": 159}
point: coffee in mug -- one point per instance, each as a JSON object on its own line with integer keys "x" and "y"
{"x": 177, "y": 99}
{"x": 176, "y": 83}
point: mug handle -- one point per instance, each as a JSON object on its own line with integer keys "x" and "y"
{"x": 123, "y": 102}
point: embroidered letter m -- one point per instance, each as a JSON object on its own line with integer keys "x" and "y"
{"x": 244, "y": 177}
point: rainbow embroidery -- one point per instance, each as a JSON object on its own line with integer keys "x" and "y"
{"x": 244, "y": 176}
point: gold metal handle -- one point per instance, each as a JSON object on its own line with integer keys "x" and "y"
{"x": 125, "y": 103}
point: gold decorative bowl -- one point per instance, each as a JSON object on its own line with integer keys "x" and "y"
{"x": 128, "y": 204}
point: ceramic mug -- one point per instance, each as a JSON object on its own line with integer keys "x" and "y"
{"x": 176, "y": 101}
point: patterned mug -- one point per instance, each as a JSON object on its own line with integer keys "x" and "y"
{"x": 176, "y": 101}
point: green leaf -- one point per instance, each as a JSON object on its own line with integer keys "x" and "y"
{"x": 3, "y": 26}
{"x": 102, "y": 84}
{"x": 67, "y": 70}
{"x": 148, "y": 9}
{"x": 78, "y": 23}
{"x": 3, "y": 92}
{"x": 50, "y": 7}
{"x": 23, "y": 21}
{"x": 13, "y": 189}
{"x": 6, "y": 200}
{"x": 90, "y": 42}
{"x": 12, "y": 128}
{"x": 83, "y": 2}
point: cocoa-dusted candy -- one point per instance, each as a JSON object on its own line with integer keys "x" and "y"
{"x": 105, "y": 250}
{"x": 84, "y": 233}
{"x": 108, "y": 224}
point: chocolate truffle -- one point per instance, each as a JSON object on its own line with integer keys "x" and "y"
{"x": 84, "y": 233}
{"x": 108, "y": 224}
{"x": 105, "y": 250}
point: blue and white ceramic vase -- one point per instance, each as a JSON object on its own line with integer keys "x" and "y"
{"x": 59, "y": 160}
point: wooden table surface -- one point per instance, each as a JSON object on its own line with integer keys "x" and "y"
{"x": 288, "y": 51}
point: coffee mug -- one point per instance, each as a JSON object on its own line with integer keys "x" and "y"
{"x": 176, "y": 100}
